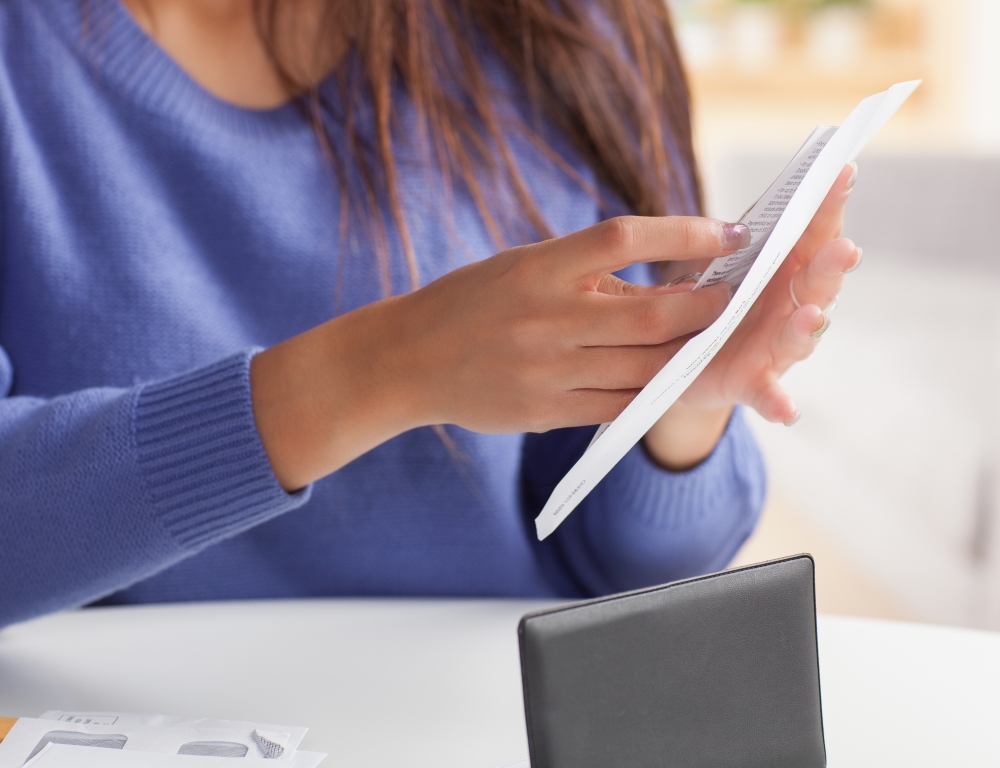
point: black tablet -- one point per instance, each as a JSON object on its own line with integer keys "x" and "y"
{"x": 717, "y": 671}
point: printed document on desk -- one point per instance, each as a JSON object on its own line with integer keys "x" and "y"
{"x": 64, "y": 756}
{"x": 776, "y": 222}
{"x": 292, "y": 735}
{"x": 110, "y": 731}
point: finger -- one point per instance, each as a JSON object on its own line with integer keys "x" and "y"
{"x": 614, "y": 368}
{"x": 668, "y": 271}
{"x": 614, "y": 321}
{"x": 612, "y": 285}
{"x": 820, "y": 279}
{"x": 775, "y": 404}
{"x": 799, "y": 336}
{"x": 615, "y": 243}
{"x": 581, "y": 407}
{"x": 797, "y": 340}
{"x": 828, "y": 223}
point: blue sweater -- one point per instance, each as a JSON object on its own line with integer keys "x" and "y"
{"x": 154, "y": 238}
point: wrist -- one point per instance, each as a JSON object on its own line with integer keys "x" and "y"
{"x": 685, "y": 436}
{"x": 326, "y": 396}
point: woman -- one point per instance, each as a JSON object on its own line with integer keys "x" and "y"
{"x": 188, "y": 182}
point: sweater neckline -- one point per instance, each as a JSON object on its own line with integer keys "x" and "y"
{"x": 108, "y": 39}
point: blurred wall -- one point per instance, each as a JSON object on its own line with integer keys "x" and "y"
{"x": 896, "y": 460}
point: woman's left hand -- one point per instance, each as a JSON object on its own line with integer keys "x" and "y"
{"x": 773, "y": 335}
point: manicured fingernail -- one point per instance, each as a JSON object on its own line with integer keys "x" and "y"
{"x": 693, "y": 277}
{"x": 735, "y": 237}
{"x": 854, "y": 176}
{"x": 857, "y": 263}
{"x": 795, "y": 419}
{"x": 823, "y": 328}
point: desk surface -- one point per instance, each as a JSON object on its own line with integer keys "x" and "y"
{"x": 419, "y": 683}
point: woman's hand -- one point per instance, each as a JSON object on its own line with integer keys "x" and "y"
{"x": 773, "y": 335}
{"x": 534, "y": 338}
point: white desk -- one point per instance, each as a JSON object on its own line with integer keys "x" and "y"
{"x": 436, "y": 683}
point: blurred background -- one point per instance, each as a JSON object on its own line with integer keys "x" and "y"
{"x": 892, "y": 476}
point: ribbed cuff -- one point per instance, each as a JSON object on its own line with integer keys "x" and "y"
{"x": 661, "y": 498}
{"x": 208, "y": 474}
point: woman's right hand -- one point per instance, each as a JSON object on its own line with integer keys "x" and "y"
{"x": 537, "y": 337}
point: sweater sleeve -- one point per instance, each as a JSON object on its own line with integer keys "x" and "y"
{"x": 103, "y": 487}
{"x": 644, "y": 525}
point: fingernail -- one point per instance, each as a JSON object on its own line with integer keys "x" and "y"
{"x": 735, "y": 237}
{"x": 693, "y": 277}
{"x": 857, "y": 263}
{"x": 795, "y": 419}
{"x": 823, "y": 328}
{"x": 854, "y": 176}
{"x": 732, "y": 290}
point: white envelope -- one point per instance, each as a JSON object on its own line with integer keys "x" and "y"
{"x": 612, "y": 441}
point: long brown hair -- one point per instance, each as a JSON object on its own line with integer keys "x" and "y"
{"x": 605, "y": 74}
